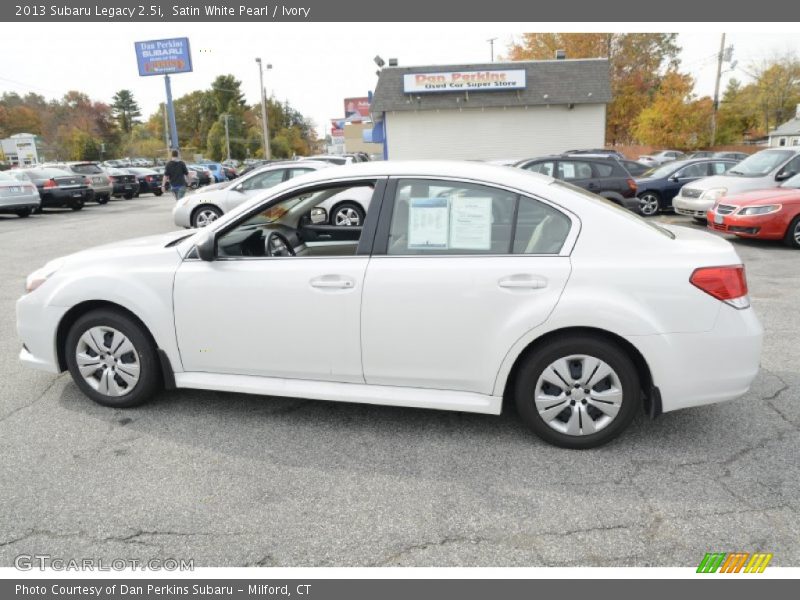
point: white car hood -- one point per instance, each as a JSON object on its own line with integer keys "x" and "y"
{"x": 131, "y": 247}
{"x": 732, "y": 183}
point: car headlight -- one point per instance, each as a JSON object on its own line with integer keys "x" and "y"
{"x": 39, "y": 276}
{"x": 713, "y": 193}
{"x": 760, "y": 210}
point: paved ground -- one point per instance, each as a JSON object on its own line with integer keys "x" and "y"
{"x": 233, "y": 480}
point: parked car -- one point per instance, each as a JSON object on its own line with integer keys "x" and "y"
{"x": 701, "y": 154}
{"x": 217, "y": 171}
{"x": 484, "y": 282}
{"x": 149, "y": 180}
{"x": 101, "y": 185}
{"x": 661, "y": 184}
{"x": 770, "y": 214}
{"x": 605, "y": 177}
{"x": 202, "y": 176}
{"x": 125, "y": 184}
{"x": 207, "y": 205}
{"x": 598, "y": 152}
{"x": 57, "y": 187}
{"x": 18, "y": 197}
{"x": 659, "y": 158}
{"x": 230, "y": 172}
{"x": 335, "y": 159}
{"x": 765, "y": 169}
{"x": 732, "y": 155}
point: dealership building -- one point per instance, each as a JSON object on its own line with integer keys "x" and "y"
{"x": 491, "y": 111}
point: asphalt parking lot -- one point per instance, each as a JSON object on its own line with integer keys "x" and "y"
{"x": 237, "y": 480}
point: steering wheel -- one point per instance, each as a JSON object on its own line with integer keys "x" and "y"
{"x": 277, "y": 245}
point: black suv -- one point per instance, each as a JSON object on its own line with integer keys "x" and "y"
{"x": 603, "y": 176}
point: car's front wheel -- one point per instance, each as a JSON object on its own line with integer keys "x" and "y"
{"x": 205, "y": 215}
{"x": 103, "y": 199}
{"x": 347, "y": 214}
{"x": 792, "y": 238}
{"x": 25, "y": 212}
{"x": 649, "y": 203}
{"x": 578, "y": 391}
{"x": 112, "y": 359}
{"x": 76, "y": 204}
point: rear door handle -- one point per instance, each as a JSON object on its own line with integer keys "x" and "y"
{"x": 333, "y": 282}
{"x": 523, "y": 281}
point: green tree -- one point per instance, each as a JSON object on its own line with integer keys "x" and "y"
{"x": 637, "y": 64}
{"x": 125, "y": 110}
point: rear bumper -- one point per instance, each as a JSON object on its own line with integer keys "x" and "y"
{"x": 57, "y": 197}
{"x": 121, "y": 189}
{"x": 693, "y": 369}
{"x": 16, "y": 203}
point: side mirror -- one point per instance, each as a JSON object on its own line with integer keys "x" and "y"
{"x": 673, "y": 178}
{"x": 205, "y": 247}
{"x": 784, "y": 175}
{"x": 319, "y": 215}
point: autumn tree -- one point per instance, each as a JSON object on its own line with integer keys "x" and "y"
{"x": 637, "y": 63}
{"x": 125, "y": 110}
{"x": 675, "y": 119}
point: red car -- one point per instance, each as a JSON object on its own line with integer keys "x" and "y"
{"x": 772, "y": 214}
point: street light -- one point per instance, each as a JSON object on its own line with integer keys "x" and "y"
{"x": 264, "y": 125}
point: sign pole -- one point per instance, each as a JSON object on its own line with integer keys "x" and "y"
{"x": 173, "y": 129}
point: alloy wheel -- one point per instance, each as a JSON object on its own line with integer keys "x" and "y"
{"x": 108, "y": 361}
{"x": 648, "y": 204}
{"x": 347, "y": 217}
{"x": 578, "y": 395}
{"x": 205, "y": 217}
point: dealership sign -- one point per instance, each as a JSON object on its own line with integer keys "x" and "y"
{"x": 464, "y": 81}
{"x": 163, "y": 57}
{"x": 356, "y": 107}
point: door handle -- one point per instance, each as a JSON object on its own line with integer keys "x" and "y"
{"x": 523, "y": 281}
{"x": 332, "y": 282}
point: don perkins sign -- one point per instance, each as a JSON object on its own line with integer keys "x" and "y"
{"x": 461, "y": 81}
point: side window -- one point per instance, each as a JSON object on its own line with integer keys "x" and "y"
{"x": 545, "y": 168}
{"x": 447, "y": 218}
{"x": 297, "y": 172}
{"x": 792, "y": 167}
{"x": 263, "y": 180}
{"x": 569, "y": 169}
{"x": 603, "y": 170}
{"x": 718, "y": 168}
{"x": 695, "y": 170}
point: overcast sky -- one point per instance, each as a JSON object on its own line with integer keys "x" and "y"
{"x": 315, "y": 65}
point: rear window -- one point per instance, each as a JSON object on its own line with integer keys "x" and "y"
{"x": 49, "y": 173}
{"x": 87, "y": 169}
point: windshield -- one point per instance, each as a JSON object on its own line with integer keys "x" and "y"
{"x": 761, "y": 163}
{"x": 662, "y": 171}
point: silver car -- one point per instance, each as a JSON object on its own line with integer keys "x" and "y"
{"x": 660, "y": 158}
{"x": 18, "y": 196}
{"x": 762, "y": 170}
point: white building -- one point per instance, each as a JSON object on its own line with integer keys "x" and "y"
{"x": 20, "y": 149}
{"x": 493, "y": 110}
{"x": 787, "y": 134}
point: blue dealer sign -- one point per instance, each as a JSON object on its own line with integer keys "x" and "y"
{"x": 163, "y": 57}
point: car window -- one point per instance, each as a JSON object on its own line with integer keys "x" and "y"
{"x": 87, "y": 169}
{"x": 569, "y": 169}
{"x": 695, "y": 170}
{"x": 297, "y": 172}
{"x": 792, "y": 167}
{"x": 448, "y": 218}
{"x": 603, "y": 170}
{"x": 264, "y": 180}
{"x": 545, "y": 168}
{"x": 718, "y": 168}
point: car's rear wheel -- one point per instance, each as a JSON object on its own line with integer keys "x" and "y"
{"x": 792, "y": 238}
{"x": 347, "y": 214}
{"x": 76, "y": 204}
{"x": 649, "y": 203}
{"x": 579, "y": 391}
{"x": 127, "y": 196}
{"x": 112, "y": 359}
{"x": 103, "y": 199}
{"x": 157, "y": 192}
{"x": 25, "y": 212}
{"x": 204, "y": 215}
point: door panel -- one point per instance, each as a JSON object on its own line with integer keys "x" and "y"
{"x": 276, "y": 317}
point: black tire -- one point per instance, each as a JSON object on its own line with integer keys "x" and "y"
{"x": 127, "y": 196}
{"x": 150, "y": 371}
{"x": 533, "y": 367}
{"x": 792, "y": 238}
{"x": 103, "y": 199}
{"x": 24, "y": 213}
{"x": 699, "y": 220}
{"x": 647, "y": 200}
{"x": 348, "y": 206}
{"x": 157, "y": 192}
{"x": 198, "y": 213}
{"x": 76, "y": 204}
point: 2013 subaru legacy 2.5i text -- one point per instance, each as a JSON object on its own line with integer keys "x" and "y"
{"x": 467, "y": 284}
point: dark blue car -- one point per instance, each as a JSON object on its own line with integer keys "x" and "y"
{"x": 658, "y": 186}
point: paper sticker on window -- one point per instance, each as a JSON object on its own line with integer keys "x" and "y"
{"x": 471, "y": 223}
{"x": 427, "y": 223}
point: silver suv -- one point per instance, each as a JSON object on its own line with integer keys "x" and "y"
{"x": 98, "y": 180}
{"x": 762, "y": 170}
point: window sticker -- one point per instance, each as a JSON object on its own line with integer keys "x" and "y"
{"x": 427, "y": 223}
{"x": 471, "y": 223}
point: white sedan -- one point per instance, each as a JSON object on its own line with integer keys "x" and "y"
{"x": 466, "y": 284}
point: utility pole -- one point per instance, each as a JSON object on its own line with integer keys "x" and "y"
{"x": 264, "y": 124}
{"x": 166, "y": 130}
{"x": 491, "y": 47}
{"x": 716, "y": 91}
{"x": 226, "y": 116}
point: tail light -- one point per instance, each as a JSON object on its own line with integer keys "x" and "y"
{"x": 632, "y": 185}
{"x": 50, "y": 184}
{"x": 149, "y": 178}
{"x": 111, "y": 179}
{"x": 727, "y": 284}
{"x": 88, "y": 181}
